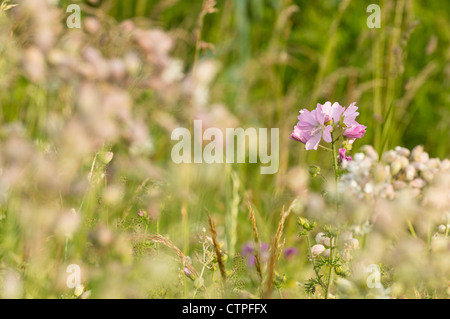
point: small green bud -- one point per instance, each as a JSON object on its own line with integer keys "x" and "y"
{"x": 314, "y": 170}
{"x": 303, "y": 222}
{"x": 340, "y": 271}
{"x": 306, "y": 224}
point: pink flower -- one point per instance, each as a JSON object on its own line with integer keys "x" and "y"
{"x": 357, "y": 131}
{"x": 342, "y": 155}
{"x": 319, "y": 123}
{"x": 311, "y": 128}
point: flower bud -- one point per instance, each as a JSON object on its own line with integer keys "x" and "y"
{"x": 396, "y": 166}
{"x": 442, "y": 228}
{"x": 389, "y": 156}
{"x": 189, "y": 273}
{"x": 303, "y": 222}
{"x": 340, "y": 271}
{"x": 424, "y": 157}
{"x": 416, "y": 153}
{"x": 320, "y": 238}
{"x": 316, "y": 250}
{"x": 410, "y": 172}
{"x": 403, "y": 161}
{"x": 402, "y": 151}
{"x": 314, "y": 170}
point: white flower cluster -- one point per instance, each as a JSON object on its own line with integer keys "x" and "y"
{"x": 368, "y": 176}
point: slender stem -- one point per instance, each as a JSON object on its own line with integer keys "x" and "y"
{"x": 330, "y": 272}
{"x": 66, "y": 244}
{"x": 411, "y": 228}
{"x": 335, "y": 167}
{"x": 332, "y": 244}
{"x": 325, "y": 148}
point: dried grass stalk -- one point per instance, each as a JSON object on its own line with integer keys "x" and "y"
{"x": 274, "y": 256}
{"x": 212, "y": 228}
{"x": 257, "y": 251}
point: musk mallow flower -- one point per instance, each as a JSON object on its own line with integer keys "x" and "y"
{"x": 356, "y": 131}
{"x": 342, "y": 156}
{"x": 311, "y": 128}
{"x": 321, "y": 122}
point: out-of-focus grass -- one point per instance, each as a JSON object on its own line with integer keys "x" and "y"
{"x": 280, "y": 56}
{"x": 328, "y": 56}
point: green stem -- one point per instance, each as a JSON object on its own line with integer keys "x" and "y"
{"x": 332, "y": 244}
{"x": 330, "y": 272}
{"x": 335, "y": 167}
{"x": 66, "y": 244}
{"x": 312, "y": 260}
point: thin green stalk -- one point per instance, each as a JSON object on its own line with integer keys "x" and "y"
{"x": 335, "y": 168}
{"x": 332, "y": 244}
{"x": 66, "y": 244}
{"x": 330, "y": 272}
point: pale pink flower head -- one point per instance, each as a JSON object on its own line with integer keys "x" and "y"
{"x": 311, "y": 128}
{"x": 319, "y": 123}
{"x": 356, "y": 131}
{"x": 342, "y": 155}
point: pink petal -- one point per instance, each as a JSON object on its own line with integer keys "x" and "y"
{"x": 357, "y": 131}
{"x": 313, "y": 142}
{"x": 327, "y": 134}
{"x": 350, "y": 115}
{"x": 326, "y": 107}
{"x": 307, "y": 120}
{"x": 299, "y": 135}
{"x": 320, "y": 115}
{"x": 336, "y": 111}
